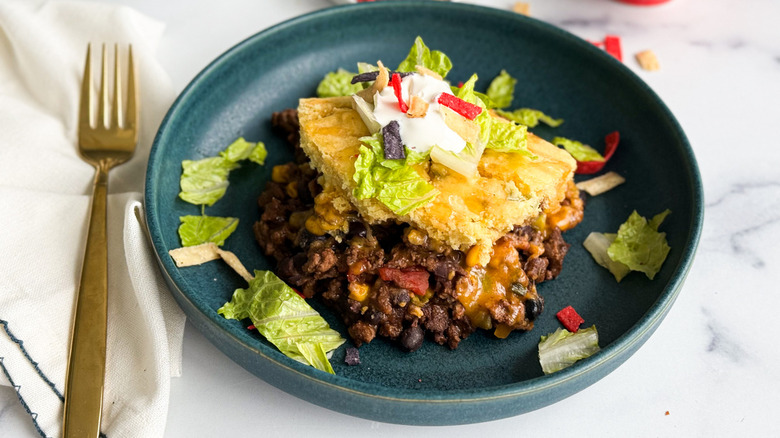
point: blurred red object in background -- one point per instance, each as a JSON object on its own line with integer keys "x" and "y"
{"x": 644, "y": 2}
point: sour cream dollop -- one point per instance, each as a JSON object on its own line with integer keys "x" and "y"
{"x": 419, "y": 134}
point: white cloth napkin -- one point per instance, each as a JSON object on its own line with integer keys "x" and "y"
{"x": 45, "y": 193}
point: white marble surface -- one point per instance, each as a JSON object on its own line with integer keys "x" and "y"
{"x": 713, "y": 362}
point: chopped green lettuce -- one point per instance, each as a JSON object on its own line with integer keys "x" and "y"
{"x": 258, "y": 154}
{"x": 204, "y": 181}
{"x": 285, "y": 319}
{"x": 509, "y": 137}
{"x": 530, "y": 117}
{"x": 195, "y": 230}
{"x": 562, "y": 348}
{"x": 501, "y": 90}
{"x": 393, "y": 182}
{"x": 597, "y": 244}
{"x": 403, "y": 190}
{"x": 639, "y": 245}
{"x": 338, "y": 83}
{"x": 420, "y": 54}
{"x": 580, "y": 152}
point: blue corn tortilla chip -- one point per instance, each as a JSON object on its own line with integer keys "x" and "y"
{"x": 353, "y": 356}
{"x": 371, "y": 76}
{"x": 394, "y": 148}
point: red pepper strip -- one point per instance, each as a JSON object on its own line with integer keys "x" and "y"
{"x": 587, "y": 167}
{"x": 460, "y": 106}
{"x": 395, "y": 81}
{"x": 570, "y": 319}
{"x": 416, "y": 280}
{"x": 612, "y": 46}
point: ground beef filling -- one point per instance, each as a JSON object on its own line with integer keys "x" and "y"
{"x": 390, "y": 280}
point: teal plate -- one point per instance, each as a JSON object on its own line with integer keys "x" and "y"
{"x": 485, "y": 378}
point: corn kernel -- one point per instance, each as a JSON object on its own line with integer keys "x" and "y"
{"x": 280, "y": 174}
{"x": 358, "y": 291}
{"x": 416, "y": 311}
{"x": 292, "y": 189}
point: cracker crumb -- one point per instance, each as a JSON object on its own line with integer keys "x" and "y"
{"x": 522, "y": 8}
{"x": 648, "y": 61}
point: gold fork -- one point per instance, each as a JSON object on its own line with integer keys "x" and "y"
{"x": 103, "y": 146}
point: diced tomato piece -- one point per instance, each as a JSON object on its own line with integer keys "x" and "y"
{"x": 611, "y": 143}
{"x": 416, "y": 280}
{"x": 460, "y": 106}
{"x": 570, "y": 319}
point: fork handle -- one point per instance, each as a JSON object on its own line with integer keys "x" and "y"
{"x": 87, "y": 360}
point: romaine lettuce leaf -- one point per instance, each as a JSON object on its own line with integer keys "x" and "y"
{"x": 580, "y": 152}
{"x": 205, "y": 181}
{"x": 393, "y": 182}
{"x": 338, "y": 83}
{"x": 285, "y": 319}
{"x": 639, "y": 245}
{"x": 509, "y": 137}
{"x": 403, "y": 190}
{"x": 195, "y": 230}
{"x": 597, "y": 244}
{"x": 420, "y": 54}
{"x": 501, "y": 90}
{"x": 562, "y": 348}
{"x": 530, "y": 117}
{"x": 258, "y": 154}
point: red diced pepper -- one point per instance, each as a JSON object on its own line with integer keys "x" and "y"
{"x": 460, "y": 84}
{"x": 460, "y": 106}
{"x": 612, "y": 46}
{"x": 416, "y": 280}
{"x": 570, "y": 319}
{"x": 251, "y": 327}
{"x": 395, "y": 81}
{"x": 597, "y": 43}
{"x": 611, "y": 143}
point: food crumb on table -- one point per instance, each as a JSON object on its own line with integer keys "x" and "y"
{"x": 522, "y": 8}
{"x": 648, "y": 61}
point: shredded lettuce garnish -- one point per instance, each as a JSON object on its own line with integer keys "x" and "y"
{"x": 204, "y": 182}
{"x": 597, "y": 244}
{"x": 530, "y": 117}
{"x": 501, "y": 90}
{"x": 195, "y": 230}
{"x": 509, "y": 137}
{"x": 639, "y": 245}
{"x": 562, "y": 348}
{"x": 580, "y": 152}
{"x": 338, "y": 83}
{"x": 420, "y": 54}
{"x": 285, "y": 319}
{"x": 393, "y": 182}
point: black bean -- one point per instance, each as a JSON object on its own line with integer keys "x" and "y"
{"x": 357, "y": 228}
{"x": 401, "y": 297}
{"x": 412, "y": 338}
{"x": 533, "y": 308}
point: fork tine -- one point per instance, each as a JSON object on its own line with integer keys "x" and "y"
{"x": 116, "y": 111}
{"x": 131, "y": 117}
{"x": 103, "y": 101}
{"x": 85, "y": 105}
